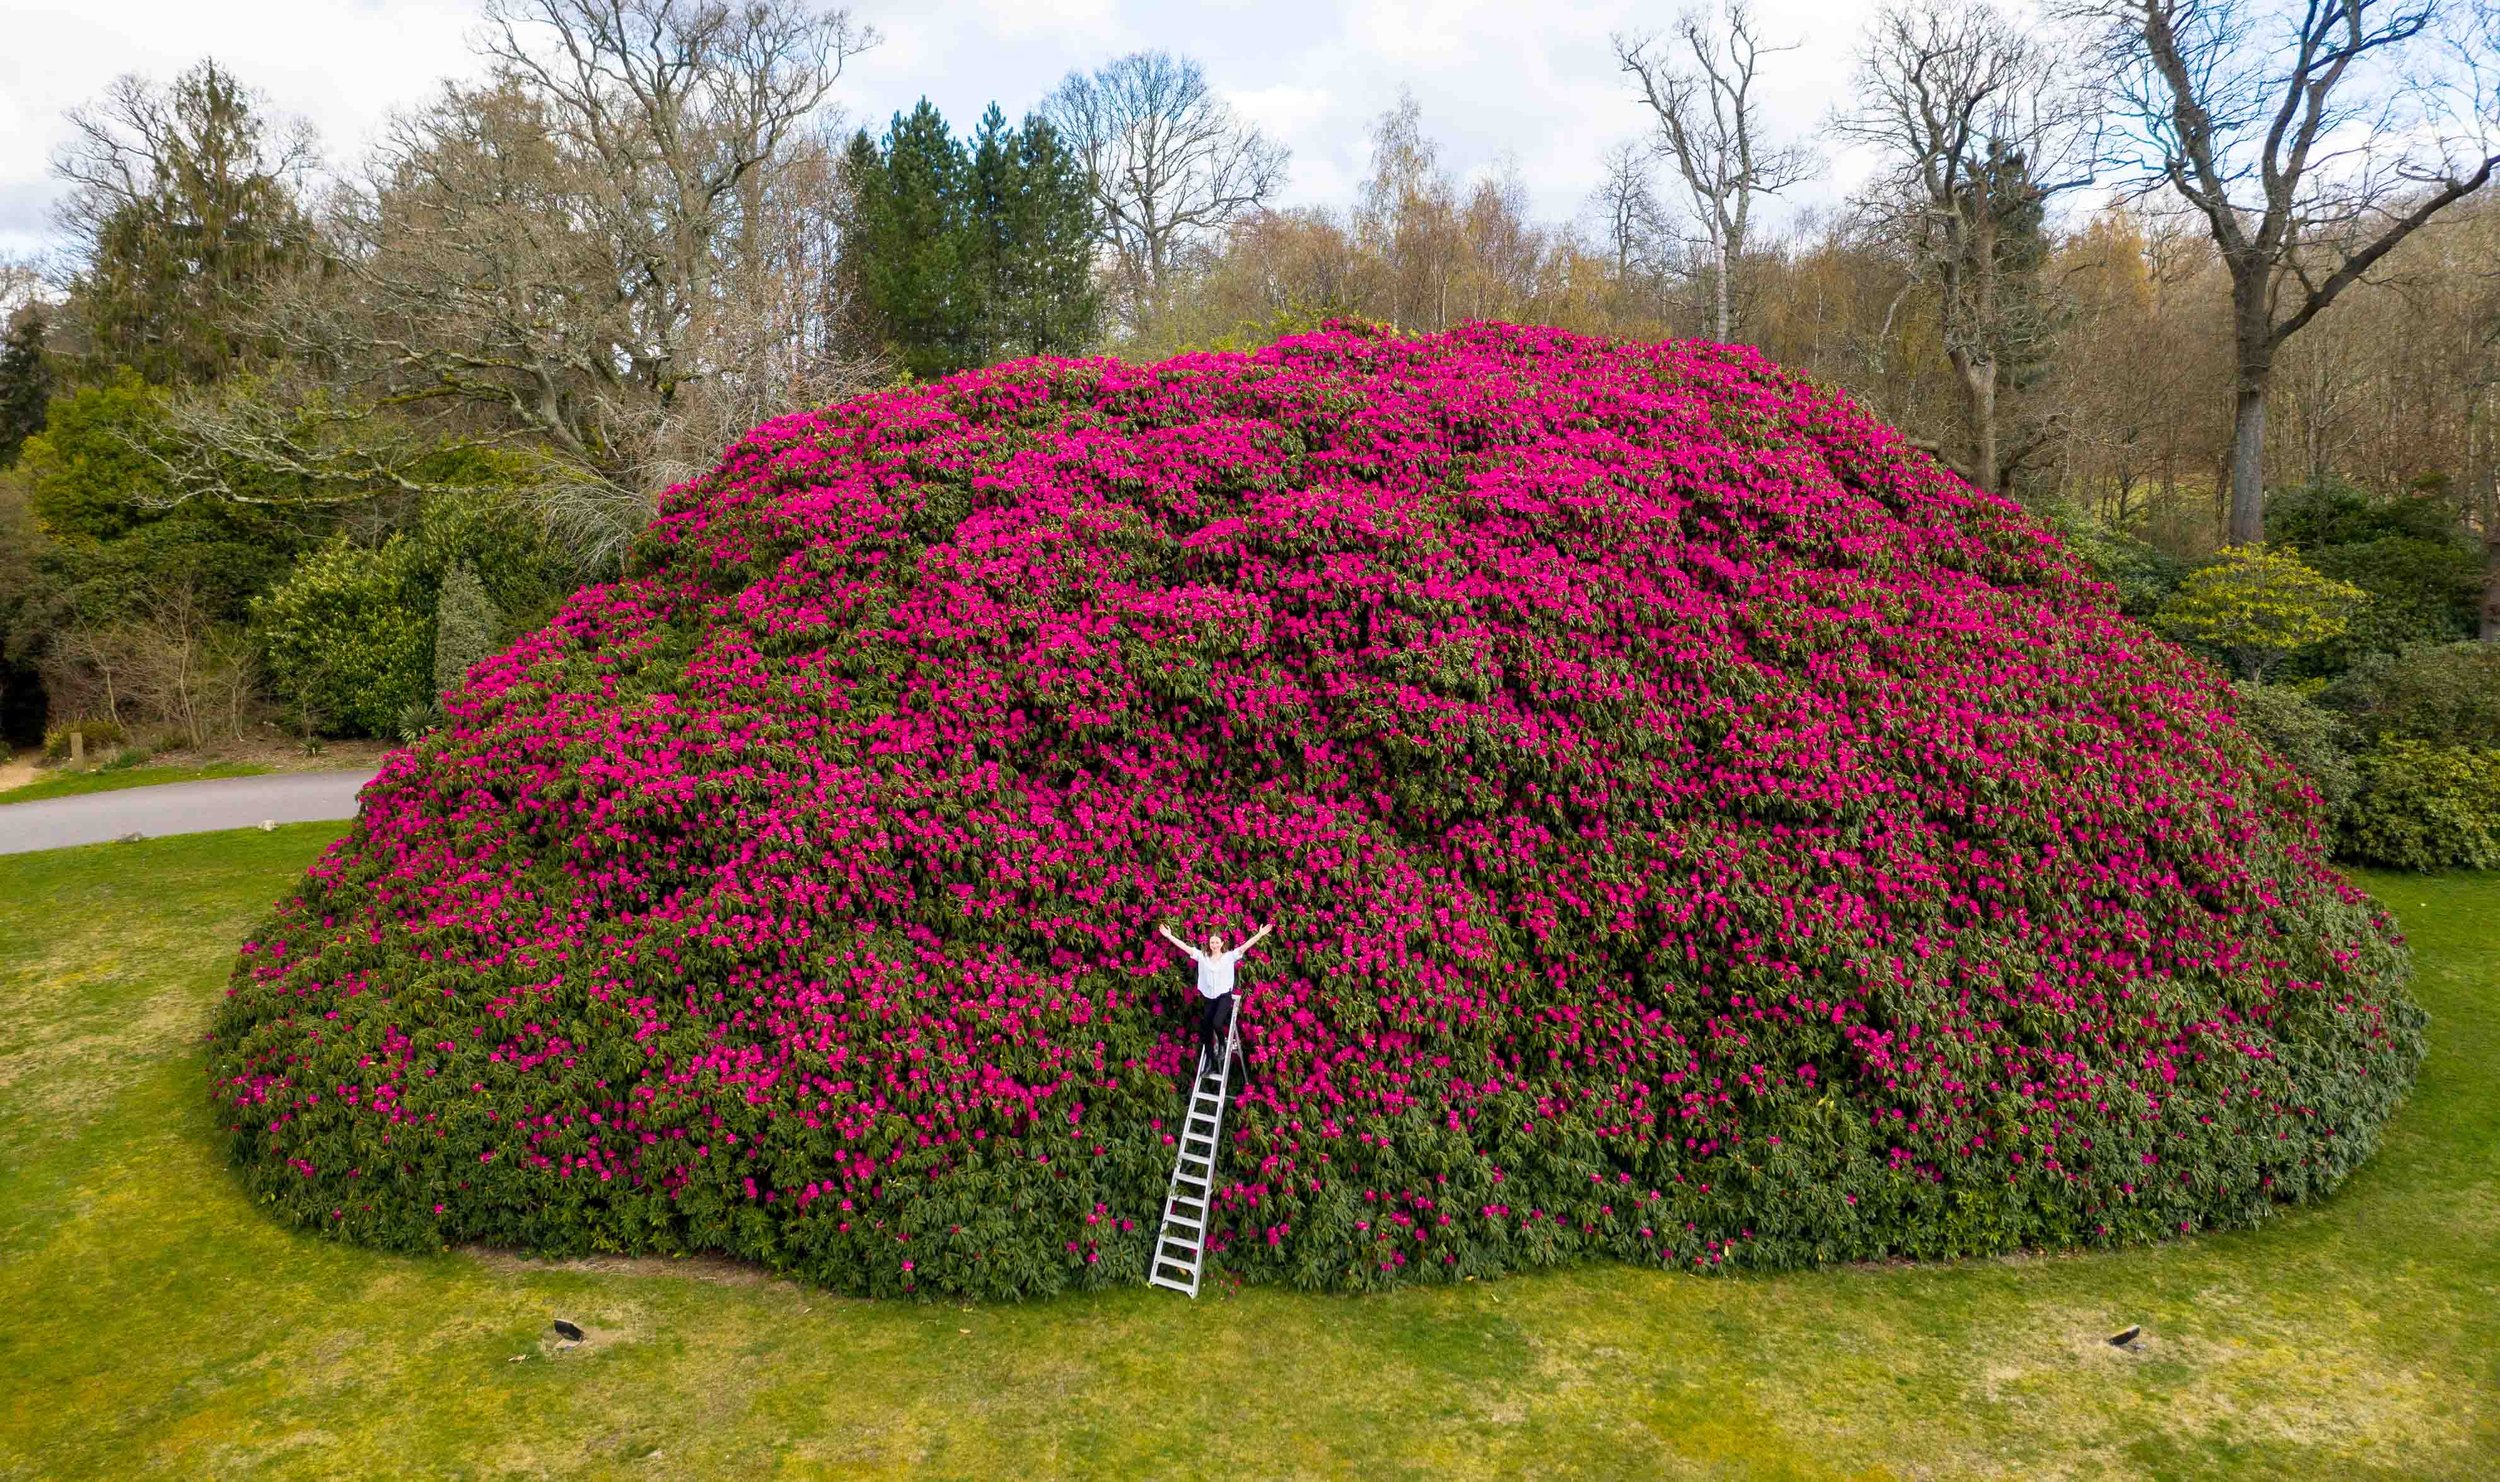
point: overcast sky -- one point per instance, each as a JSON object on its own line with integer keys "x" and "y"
{"x": 1531, "y": 81}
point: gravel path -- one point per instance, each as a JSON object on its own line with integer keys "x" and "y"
{"x": 179, "y": 808}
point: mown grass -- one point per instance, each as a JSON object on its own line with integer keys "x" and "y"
{"x": 152, "y": 1321}
{"x": 114, "y": 779}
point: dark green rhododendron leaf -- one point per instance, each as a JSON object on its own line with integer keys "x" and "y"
{"x": 1700, "y": 832}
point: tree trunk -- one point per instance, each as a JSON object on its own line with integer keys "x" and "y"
{"x": 2491, "y": 562}
{"x": 1979, "y": 395}
{"x": 1718, "y": 289}
{"x": 2248, "y": 451}
{"x": 2252, "y": 347}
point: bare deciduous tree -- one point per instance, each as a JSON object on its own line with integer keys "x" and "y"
{"x": 168, "y": 663}
{"x": 1170, "y": 165}
{"x": 2311, "y": 138}
{"x": 1406, "y": 218}
{"x": 1979, "y": 130}
{"x": 21, "y": 287}
{"x": 616, "y": 250}
{"x": 1632, "y": 227}
{"x": 1700, "y": 87}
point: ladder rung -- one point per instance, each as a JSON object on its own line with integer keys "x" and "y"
{"x": 1181, "y": 1242}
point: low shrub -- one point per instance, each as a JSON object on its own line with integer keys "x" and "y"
{"x": 2420, "y": 591}
{"x": 1698, "y": 830}
{"x": 2424, "y": 806}
{"x": 359, "y": 638}
{"x": 347, "y": 637}
{"x": 2144, "y": 575}
{"x": 2410, "y": 552}
{"x": 98, "y": 737}
{"x": 2255, "y": 607}
{"x": 2446, "y": 694}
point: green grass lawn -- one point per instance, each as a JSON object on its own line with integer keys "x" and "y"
{"x": 114, "y": 779}
{"x": 153, "y": 1321}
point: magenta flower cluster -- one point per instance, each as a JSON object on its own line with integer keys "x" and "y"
{"x": 1699, "y": 832}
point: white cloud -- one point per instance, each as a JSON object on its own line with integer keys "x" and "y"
{"x": 343, "y": 66}
{"x": 1533, "y": 80}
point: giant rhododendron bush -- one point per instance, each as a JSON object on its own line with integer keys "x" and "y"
{"x": 1699, "y": 833}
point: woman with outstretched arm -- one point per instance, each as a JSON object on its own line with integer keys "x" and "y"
{"x": 1215, "y": 985}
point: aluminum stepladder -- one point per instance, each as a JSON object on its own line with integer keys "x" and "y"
{"x": 1181, "y": 1247}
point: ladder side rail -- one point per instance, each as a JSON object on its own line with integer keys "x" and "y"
{"x": 1187, "y": 1253}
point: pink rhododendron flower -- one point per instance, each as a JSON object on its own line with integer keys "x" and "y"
{"x": 1706, "y": 834}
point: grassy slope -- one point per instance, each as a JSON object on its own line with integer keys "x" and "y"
{"x": 152, "y": 1321}
{"x": 70, "y": 784}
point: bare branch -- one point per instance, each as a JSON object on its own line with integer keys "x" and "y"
{"x": 2303, "y": 137}
{"x": 1169, "y": 163}
{"x": 1701, "y": 92}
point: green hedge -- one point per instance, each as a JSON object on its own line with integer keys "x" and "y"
{"x": 2424, "y": 806}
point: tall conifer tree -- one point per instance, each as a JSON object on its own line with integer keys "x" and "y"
{"x": 185, "y": 204}
{"x": 962, "y": 256}
{"x": 912, "y": 248}
{"x": 25, "y": 383}
{"x": 1045, "y": 302}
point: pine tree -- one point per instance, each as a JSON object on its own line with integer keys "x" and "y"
{"x": 911, "y": 247}
{"x": 1045, "y": 302}
{"x": 25, "y": 383}
{"x": 858, "y": 324}
{"x": 957, "y": 257}
{"x": 992, "y": 188}
{"x": 185, "y": 208}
